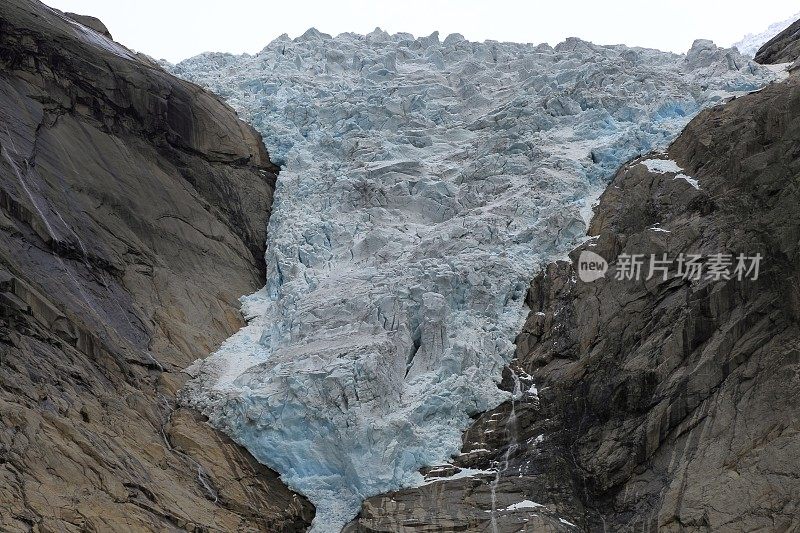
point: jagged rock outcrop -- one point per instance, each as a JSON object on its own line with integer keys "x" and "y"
{"x": 653, "y": 405}
{"x": 783, "y": 48}
{"x": 133, "y": 211}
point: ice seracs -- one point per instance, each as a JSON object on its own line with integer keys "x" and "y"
{"x": 423, "y": 183}
{"x": 750, "y": 43}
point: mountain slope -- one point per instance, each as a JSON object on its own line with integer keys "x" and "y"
{"x": 133, "y": 211}
{"x": 783, "y": 48}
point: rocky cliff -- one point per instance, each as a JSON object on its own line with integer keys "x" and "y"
{"x": 133, "y": 211}
{"x": 783, "y": 48}
{"x": 651, "y": 405}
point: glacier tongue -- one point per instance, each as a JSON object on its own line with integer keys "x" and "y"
{"x": 423, "y": 183}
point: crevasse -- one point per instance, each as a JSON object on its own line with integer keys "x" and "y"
{"x": 423, "y": 183}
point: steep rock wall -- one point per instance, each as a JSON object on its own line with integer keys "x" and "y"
{"x": 783, "y": 48}
{"x": 133, "y": 211}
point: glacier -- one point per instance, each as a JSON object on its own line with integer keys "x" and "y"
{"x": 423, "y": 183}
{"x": 752, "y": 42}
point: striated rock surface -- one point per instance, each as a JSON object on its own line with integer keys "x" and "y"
{"x": 133, "y": 211}
{"x": 652, "y": 405}
{"x": 783, "y": 48}
{"x": 90, "y": 22}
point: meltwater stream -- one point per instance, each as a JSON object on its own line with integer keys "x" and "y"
{"x": 423, "y": 183}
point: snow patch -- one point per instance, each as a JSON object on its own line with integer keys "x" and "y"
{"x": 462, "y": 474}
{"x": 693, "y": 182}
{"x": 588, "y": 204}
{"x": 524, "y": 504}
{"x": 668, "y": 166}
{"x": 476, "y": 450}
{"x": 662, "y": 166}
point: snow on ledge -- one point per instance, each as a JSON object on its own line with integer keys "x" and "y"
{"x": 461, "y": 474}
{"x": 693, "y": 182}
{"x": 524, "y": 504}
{"x": 668, "y": 166}
{"x": 662, "y": 166}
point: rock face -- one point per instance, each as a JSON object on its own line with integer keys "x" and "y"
{"x": 783, "y": 48}
{"x": 133, "y": 211}
{"x": 660, "y": 405}
{"x": 93, "y": 23}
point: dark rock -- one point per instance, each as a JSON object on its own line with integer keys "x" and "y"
{"x": 133, "y": 214}
{"x": 783, "y": 48}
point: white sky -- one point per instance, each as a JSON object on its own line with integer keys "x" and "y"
{"x": 177, "y": 29}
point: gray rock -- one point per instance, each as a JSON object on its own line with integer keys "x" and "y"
{"x": 91, "y": 22}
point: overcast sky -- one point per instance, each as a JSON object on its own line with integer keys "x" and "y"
{"x": 177, "y": 29}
